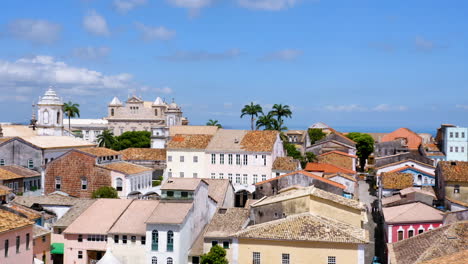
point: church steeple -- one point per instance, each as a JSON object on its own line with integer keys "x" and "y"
{"x": 50, "y": 114}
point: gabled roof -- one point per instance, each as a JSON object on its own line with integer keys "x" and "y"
{"x": 125, "y": 167}
{"x": 311, "y": 175}
{"x": 192, "y": 130}
{"x": 413, "y": 169}
{"x": 243, "y": 140}
{"x": 285, "y": 164}
{"x": 76, "y": 210}
{"x": 430, "y": 245}
{"x": 40, "y": 231}
{"x": 406, "y": 160}
{"x": 343, "y": 175}
{"x": 199, "y": 142}
{"x": 57, "y": 142}
{"x": 22, "y": 211}
{"x": 10, "y": 221}
{"x": 413, "y": 139}
{"x": 147, "y": 154}
{"x": 456, "y": 171}
{"x": 306, "y": 227}
{"x": 185, "y": 184}
{"x": 396, "y": 180}
{"x": 412, "y": 213}
{"x": 227, "y": 221}
{"x": 99, "y": 151}
{"x": 8, "y": 175}
{"x": 21, "y": 171}
{"x": 218, "y": 189}
{"x": 170, "y": 213}
{"x": 339, "y": 153}
{"x": 259, "y": 141}
{"x": 51, "y": 199}
{"x": 326, "y": 168}
{"x": 132, "y": 221}
{"x": 455, "y": 258}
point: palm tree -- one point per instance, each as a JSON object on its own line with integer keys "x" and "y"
{"x": 71, "y": 110}
{"x": 267, "y": 122}
{"x": 281, "y": 111}
{"x": 212, "y": 122}
{"x": 252, "y": 110}
{"x": 106, "y": 139}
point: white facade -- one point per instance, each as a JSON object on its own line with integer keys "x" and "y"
{"x": 132, "y": 183}
{"x": 129, "y": 253}
{"x": 455, "y": 146}
{"x": 185, "y": 163}
{"x": 90, "y": 128}
{"x": 419, "y": 166}
{"x": 50, "y": 114}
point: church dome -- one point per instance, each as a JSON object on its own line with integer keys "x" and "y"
{"x": 115, "y": 102}
{"x": 50, "y": 97}
{"x": 108, "y": 258}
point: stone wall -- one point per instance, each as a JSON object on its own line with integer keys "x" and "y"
{"x": 18, "y": 152}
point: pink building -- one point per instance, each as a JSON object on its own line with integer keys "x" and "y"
{"x": 41, "y": 244}
{"x": 408, "y": 220}
{"x": 16, "y": 235}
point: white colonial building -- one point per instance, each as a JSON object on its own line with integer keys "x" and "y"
{"x": 50, "y": 114}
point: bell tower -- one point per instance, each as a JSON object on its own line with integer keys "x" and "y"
{"x": 50, "y": 114}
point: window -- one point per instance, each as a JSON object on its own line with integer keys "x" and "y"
{"x": 456, "y": 149}
{"x": 170, "y": 193}
{"x": 420, "y": 231}
{"x": 133, "y": 239}
{"x": 84, "y": 183}
{"x": 46, "y": 117}
{"x": 244, "y": 179}
{"x": 456, "y": 189}
{"x": 118, "y": 184}
{"x": 43, "y": 239}
{"x": 112, "y": 112}
{"x": 182, "y": 158}
{"x": 230, "y": 159}
{"x": 169, "y": 158}
{"x": 6, "y": 247}
{"x": 155, "y": 112}
{"x": 195, "y": 260}
{"x": 410, "y": 233}
{"x": 58, "y": 183}
{"x": 230, "y": 177}
{"x": 80, "y": 238}
{"x": 124, "y": 239}
{"x": 184, "y": 194}
{"x": 221, "y": 158}
{"x": 18, "y": 242}
{"x": 462, "y": 149}
{"x": 80, "y": 254}
{"x": 154, "y": 260}
{"x": 245, "y": 161}
{"x": 400, "y": 235}
{"x": 221, "y": 175}
{"x": 195, "y": 175}
{"x": 225, "y": 244}
{"x": 255, "y": 178}
{"x": 30, "y": 164}
{"x": 331, "y": 260}
{"x": 27, "y": 241}
{"x": 213, "y": 158}
{"x": 2, "y": 162}
{"x": 170, "y": 242}
{"x": 284, "y": 258}
{"x": 181, "y": 174}
{"x": 463, "y": 134}
{"x": 154, "y": 240}
{"x": 213, "y": 175}
{"x": 214, "y": 243}
{"x": 263, "y": 177}
{"x": 169, "y": 174}
{"x": 451, "y": 149}
{"x": 169, "y": 261}
{"x": 143, "y": 240}
{"x": 456, "y": 134}
{"x": 238, "y": 159}
{"x": 256, "y": 258}
{"x": 237, "y": 178}
{"x": 116, "y": 239}
{"x": 451, "y": 134}
{"x": 195, "y": 159}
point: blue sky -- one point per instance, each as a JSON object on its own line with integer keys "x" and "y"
{"x": 363, "y": 64}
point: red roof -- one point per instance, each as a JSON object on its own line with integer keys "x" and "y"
{"x": 306, "y": 174}
{"x": 326, "y": 168}
{"x": 413, "y": 140}
{"x": 338, "y": 152}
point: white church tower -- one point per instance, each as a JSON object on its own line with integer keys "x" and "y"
{"x": 50, "y": 114}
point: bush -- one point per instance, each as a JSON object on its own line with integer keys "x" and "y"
{"x": 156, "y": 183}
{"x": 105, "y": 192}
{"x": 217, "y": 255}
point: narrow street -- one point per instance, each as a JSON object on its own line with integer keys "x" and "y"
{"x": 368, "y": 200}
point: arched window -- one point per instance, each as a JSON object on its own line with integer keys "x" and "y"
{"x": 112, "y": 112}
{"x": 154, "y": 260}
{"x": 84, "y": 183}
{"x": 154, "y": 240}
{"x": 118, "y": 184}
{"x": 58, "y": 118}
{"x": 170, "y": 242}
{"x": 170, "y": 261}
{"x": 419, "y": 179}
{"x": 45, "y": 117}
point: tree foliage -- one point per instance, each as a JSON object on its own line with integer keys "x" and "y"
{"x": 316, "y": 134}
{"x": 105, "y": 192}
{"x": 212, "y": 122}
{"x": 71, "y": 110}
{"x": 217, "y": 255}
{"x": 364, "y": 146}
{"x": 106, "y": 139}
{"x": 281, "y": 111}
{"x": 253, "y": 110}
{"x": 132, "y": 139}
{"x": 292, "y": 151}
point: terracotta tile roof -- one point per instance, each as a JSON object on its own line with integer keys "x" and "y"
{"x": 259, "y": 141}
{"x": 186, "y": 184}
{"x": 285, "y": 164}
{"x": 19, "y": 170}
{"x": 99, "y": 152}
{"x": 460, "y": 257}
{"x": 4, "y": 190}
{"x": 430, "y": 245}
{"x": 23, "y": 211}
{"x": 217, "y": 189}
{"x": 170, "y": 213}
{"x": 306, "y": 227}
{"x": 76, "y": 210}
{"x": 465, "y": 204}
{"x": 10, "y": 221}
{"x": 403, "y": 161}
{"x": 8, "y": 175}
{"x": 396, "y": 180}
{"x": 126, "y": 167}
{"x": 306, "y": 174}
{"x": 408, "y": 190}
{"x": 227, "y": 221}
{"x": 412, "y": 213}
{"x": 132, "y": 221}
{"x": 431, "y": 147}
{"x": 51, "y": 199}
{"x": 143, "y": 154}
{"x": 411, "y": 168}
{"x": 413, "y": 139}
{"x": 39, "y": 231}
{"x": 180, "y": 141}
{"x": 456, "y": 171}
{"x": 346, "y": 176}
{"x": 326, "y": 168}
{"x": 192, "y": 130}
{"x": 306, "y": 191}
{"x": 197, "y": 246}
{"x": 339, "y": 153}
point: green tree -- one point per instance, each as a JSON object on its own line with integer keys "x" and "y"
{"x": 292, "y": 151}
{"x": 281, "y": 111}
{"x": 105, "y": 192}
{"x": 252, "y": 110}
{"x": 71, "y": 110}
{"x": 106, "y": 139}
{"x": 316, "y": 134}
{"x": 364, "y": 146}
{"x": 267, "y": 122}
{"x": 212, "y": 122}
{"x": 217, "y": 255}
{"x": 310, "y": 157}
{"x": 132, "y": 139}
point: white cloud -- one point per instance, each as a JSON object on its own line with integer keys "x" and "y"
{"x": 95, "y": 24}
{"x": 36, "y": 31}
{"x": 283, "y": 55}
{"x": 201, "y": 55}
{"x": 388, "y": 108}
{"x": 194, "y": 6}
{"x": 464, "y": 107}
{"x": 270, "y": 5}
{"x": 91, "y": 53}
{"x": 123, "y": 6}
{"x": 345, "y": 108}
{"x": 149, "y": 33}
{"x": 361, "y": 108}
{"x": 423, "y": 44}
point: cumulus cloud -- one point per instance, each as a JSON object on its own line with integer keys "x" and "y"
{"x": 423, "y": 44}
{"x": 283, "y": 55}
{"x": 201, "y": 55}
{"x": 194, "y": 6}
{"x": 36, "y": 31}
{"x": 361, "y": 108}
{"x": 95, "y": 24}
{"x": 269, "y": 5}
{"x": 149, "y": 33}
{"x": 124, "y": 6}
{"x": 91, "y": 53}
